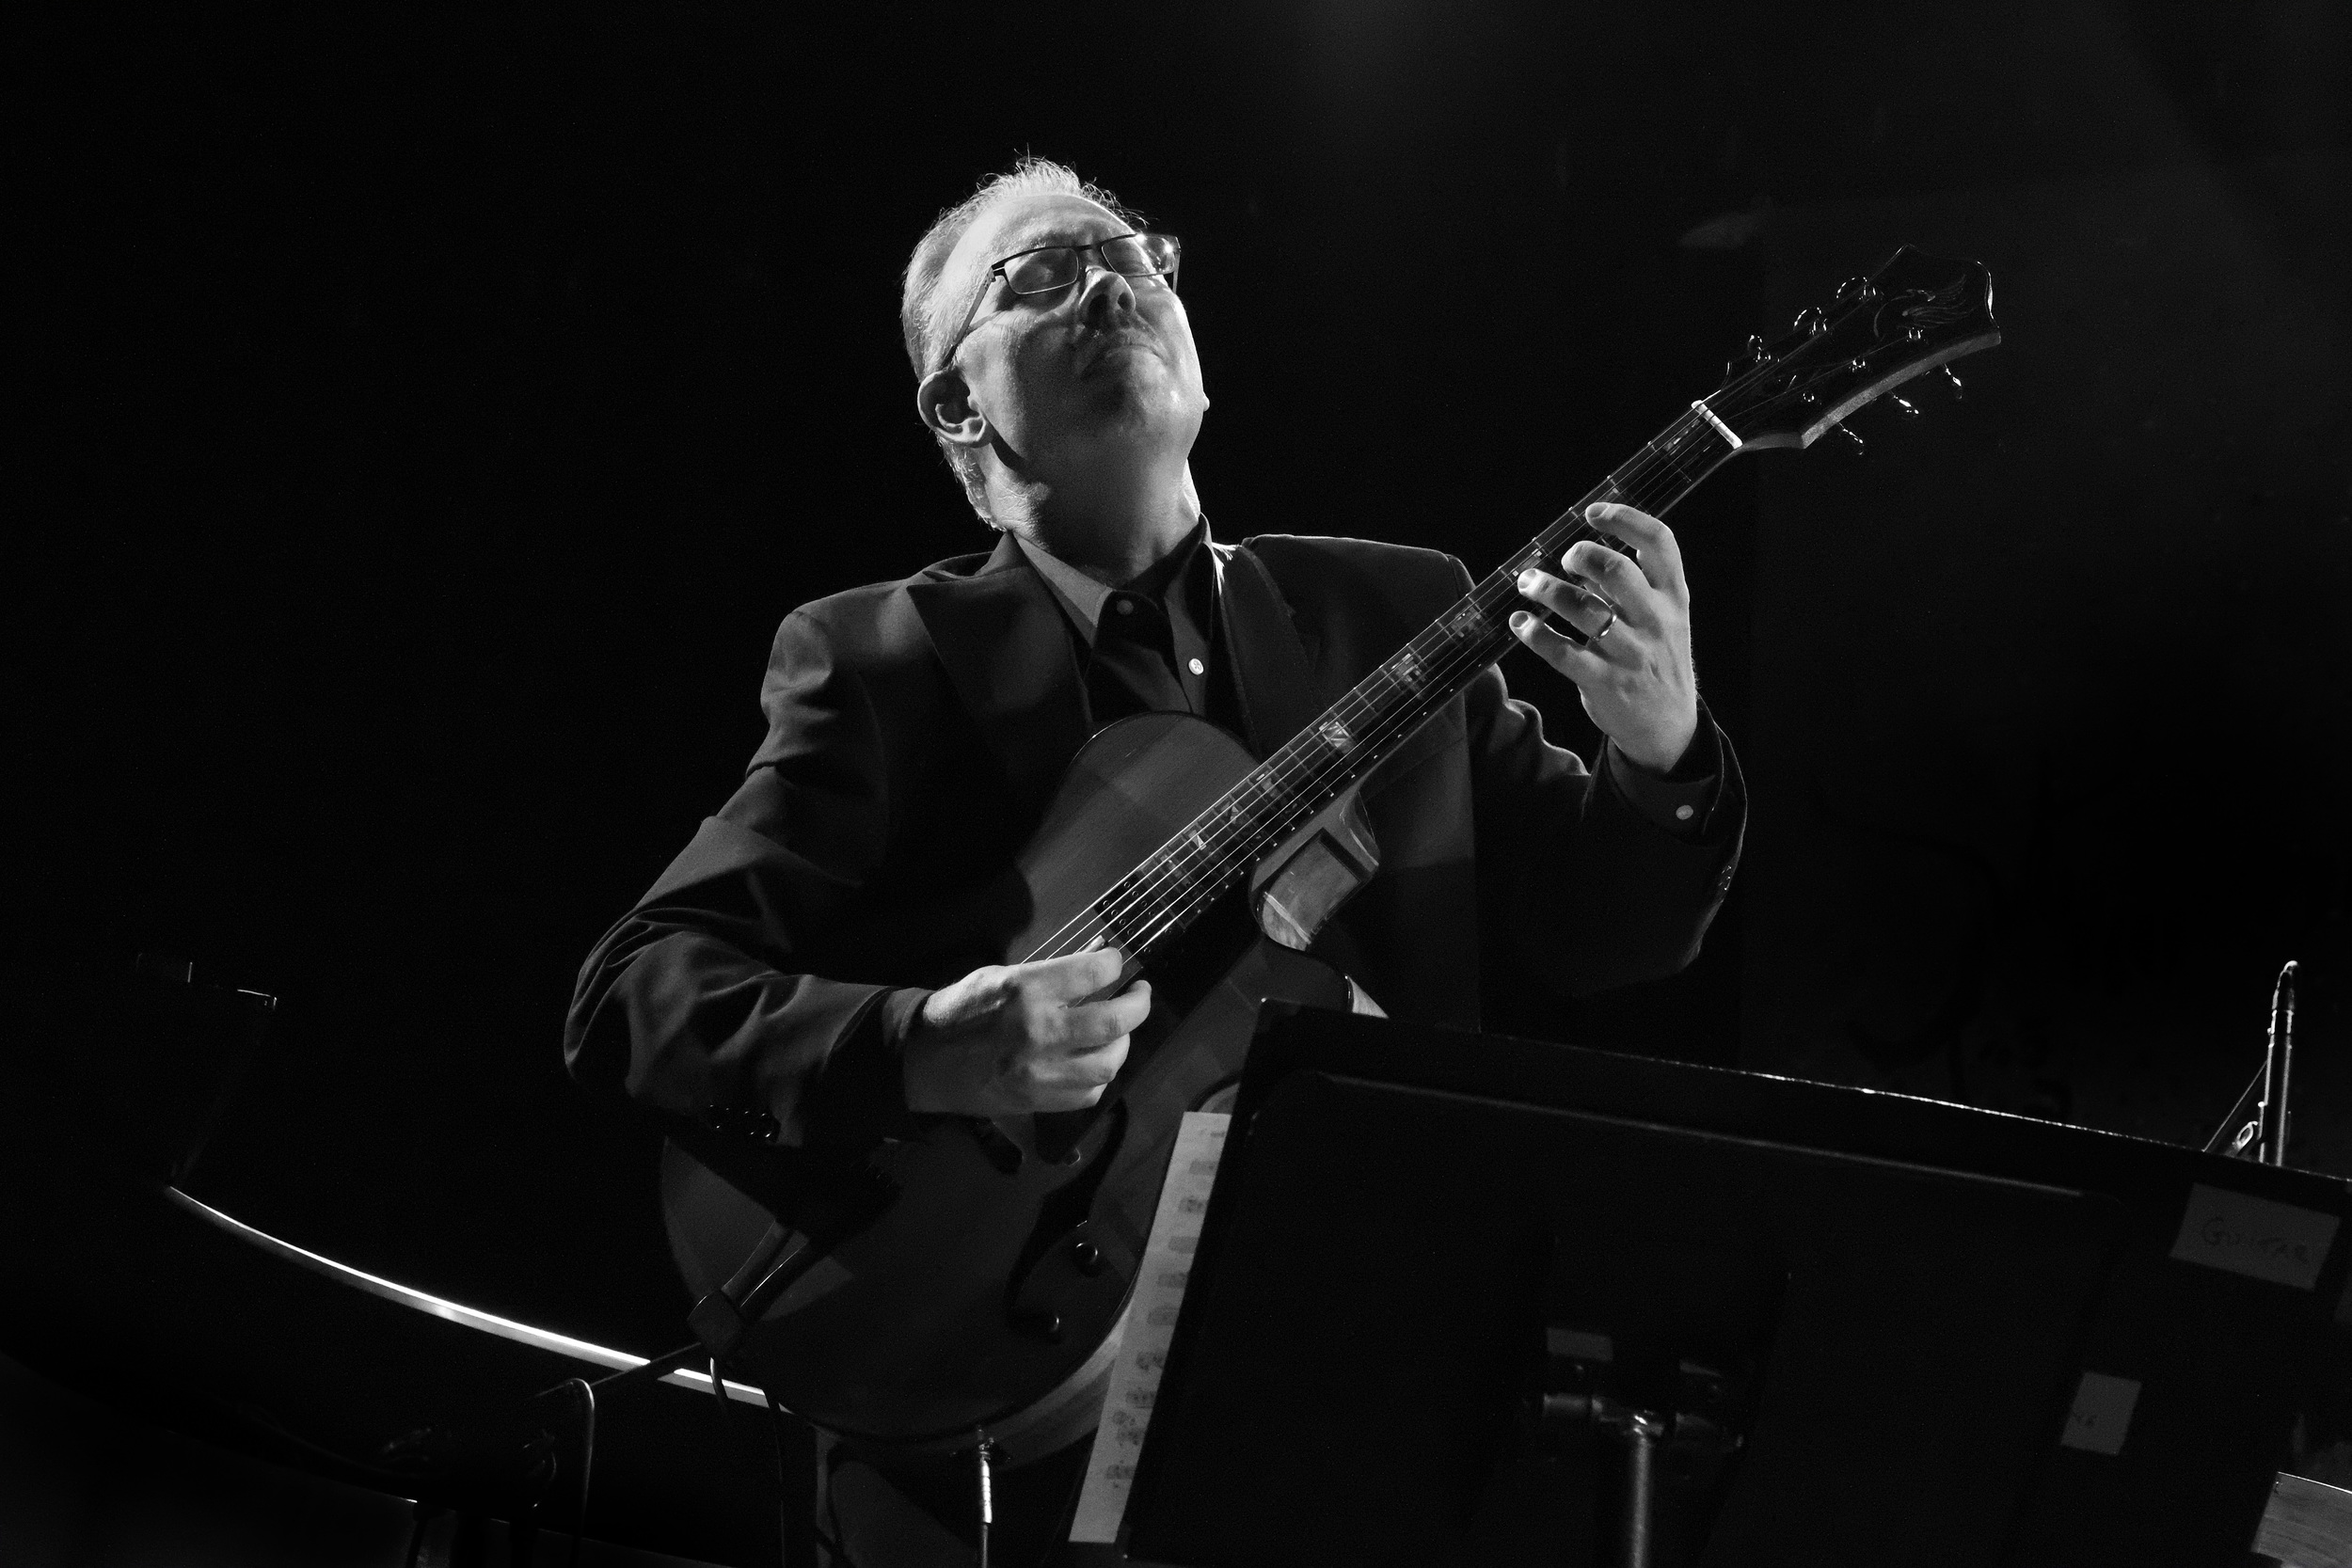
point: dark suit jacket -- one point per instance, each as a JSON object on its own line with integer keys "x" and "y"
{"x": 916, "y": 730}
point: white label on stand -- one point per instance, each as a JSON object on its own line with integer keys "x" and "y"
{"x": 2254, "y": 1236}
{"x": 1148, "y": 1325}
{"x": 2101, "y": 1414}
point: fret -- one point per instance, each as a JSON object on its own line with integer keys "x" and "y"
{"x": 1252, "y": 799}
{"x": 1466, "y": 622}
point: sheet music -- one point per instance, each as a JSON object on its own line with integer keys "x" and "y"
{"x": 1148, "y": 1325}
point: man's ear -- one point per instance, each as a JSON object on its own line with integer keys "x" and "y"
{"x": 944, "y": 403}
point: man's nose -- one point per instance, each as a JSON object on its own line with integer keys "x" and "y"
{"x": 1102, "y": 293}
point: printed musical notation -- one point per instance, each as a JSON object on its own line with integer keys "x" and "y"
{"x": 1150, "y": 1323}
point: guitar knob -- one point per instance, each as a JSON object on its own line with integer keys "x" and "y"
{"x": 1044, "y": 1325}
{"x": 1909, "y": 409}
{"x": 1087, "y": 1255}
{"x": 1958, "y": 392}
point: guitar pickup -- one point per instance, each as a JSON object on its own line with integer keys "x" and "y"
{"x": 1295, "y": 891}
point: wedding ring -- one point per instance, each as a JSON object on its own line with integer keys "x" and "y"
{"x": 1593, "y": 637}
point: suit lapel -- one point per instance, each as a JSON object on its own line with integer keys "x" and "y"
{"x": 1279, "y": 695}
{"x": 1006, "y": 647}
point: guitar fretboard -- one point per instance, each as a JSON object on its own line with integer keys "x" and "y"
{"x": 1165, "y": 894}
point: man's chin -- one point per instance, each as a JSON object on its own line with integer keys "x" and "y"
{"x": 1124, "y": 406}
{"x": 1139, "y": 377}
{"x": 1118, "y": 410}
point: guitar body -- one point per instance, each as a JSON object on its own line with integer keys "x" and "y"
{"x": 981, "y": 1296}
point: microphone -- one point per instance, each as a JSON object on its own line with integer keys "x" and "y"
{"x": 2277, "y": 1067}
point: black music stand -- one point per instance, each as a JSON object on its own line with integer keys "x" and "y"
{"x": 1943, "y": 1337}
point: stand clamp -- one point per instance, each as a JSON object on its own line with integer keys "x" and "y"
{"x": 1561, "y": 1417}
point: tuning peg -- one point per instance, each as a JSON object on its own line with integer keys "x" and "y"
{"x": 1755, "y": 354}
{"x": 1847, "y": 431}
{"x": 1905, "y": 406}
{"x": 1959, "y": 391}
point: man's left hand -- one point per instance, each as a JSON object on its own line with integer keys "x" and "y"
{"x": 1635, "y": 667}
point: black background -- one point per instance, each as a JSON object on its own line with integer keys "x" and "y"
{"x": 426, "y": 418}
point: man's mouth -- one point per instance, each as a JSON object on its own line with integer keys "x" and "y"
{"x": 1101, "y": 346}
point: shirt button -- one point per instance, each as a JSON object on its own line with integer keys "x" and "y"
{"x": 1126, "y": 607}
{"x": 1198, "y": 668}
{"x": 1682, "y": 813}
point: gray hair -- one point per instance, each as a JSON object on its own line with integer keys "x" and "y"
{"x": 923, "y": 315}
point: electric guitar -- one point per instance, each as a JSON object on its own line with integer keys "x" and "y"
{"x": 967, "y": 1284}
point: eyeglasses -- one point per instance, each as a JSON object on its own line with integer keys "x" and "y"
{"x": 1050, "y": 268}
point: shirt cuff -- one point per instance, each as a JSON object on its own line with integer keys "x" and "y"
{"x": 1682, "y": 800}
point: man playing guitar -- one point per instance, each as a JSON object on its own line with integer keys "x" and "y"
{"x": 828, "y": 957}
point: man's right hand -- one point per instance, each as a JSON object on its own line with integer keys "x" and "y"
{"x": 1020, "y": 1038}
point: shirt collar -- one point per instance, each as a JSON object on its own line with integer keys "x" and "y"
{"x": 1082, "y": 599}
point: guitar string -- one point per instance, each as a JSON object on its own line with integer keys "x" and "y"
{"x": 1169, "y": 893}
{"x": 1168, "y": 883}
{"x": 1180, "y": 886}
{"x": 1296, "y": 785}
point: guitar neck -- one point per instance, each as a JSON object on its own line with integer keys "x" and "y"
{"x": 1173, "y": 886}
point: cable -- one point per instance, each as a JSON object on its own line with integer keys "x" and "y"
{"x": 587, "y": 1458}
{"x": 733, "y": 1434}
{"x": 778, "y": 1419}
{"x": 734, "y": 1440}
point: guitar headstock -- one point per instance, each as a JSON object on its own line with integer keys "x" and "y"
{"x": 1912, "y": 314}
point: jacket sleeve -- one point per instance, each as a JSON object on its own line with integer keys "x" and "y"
{"x": 698, "y": 1002}
{"x": 1580, "y": 873}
